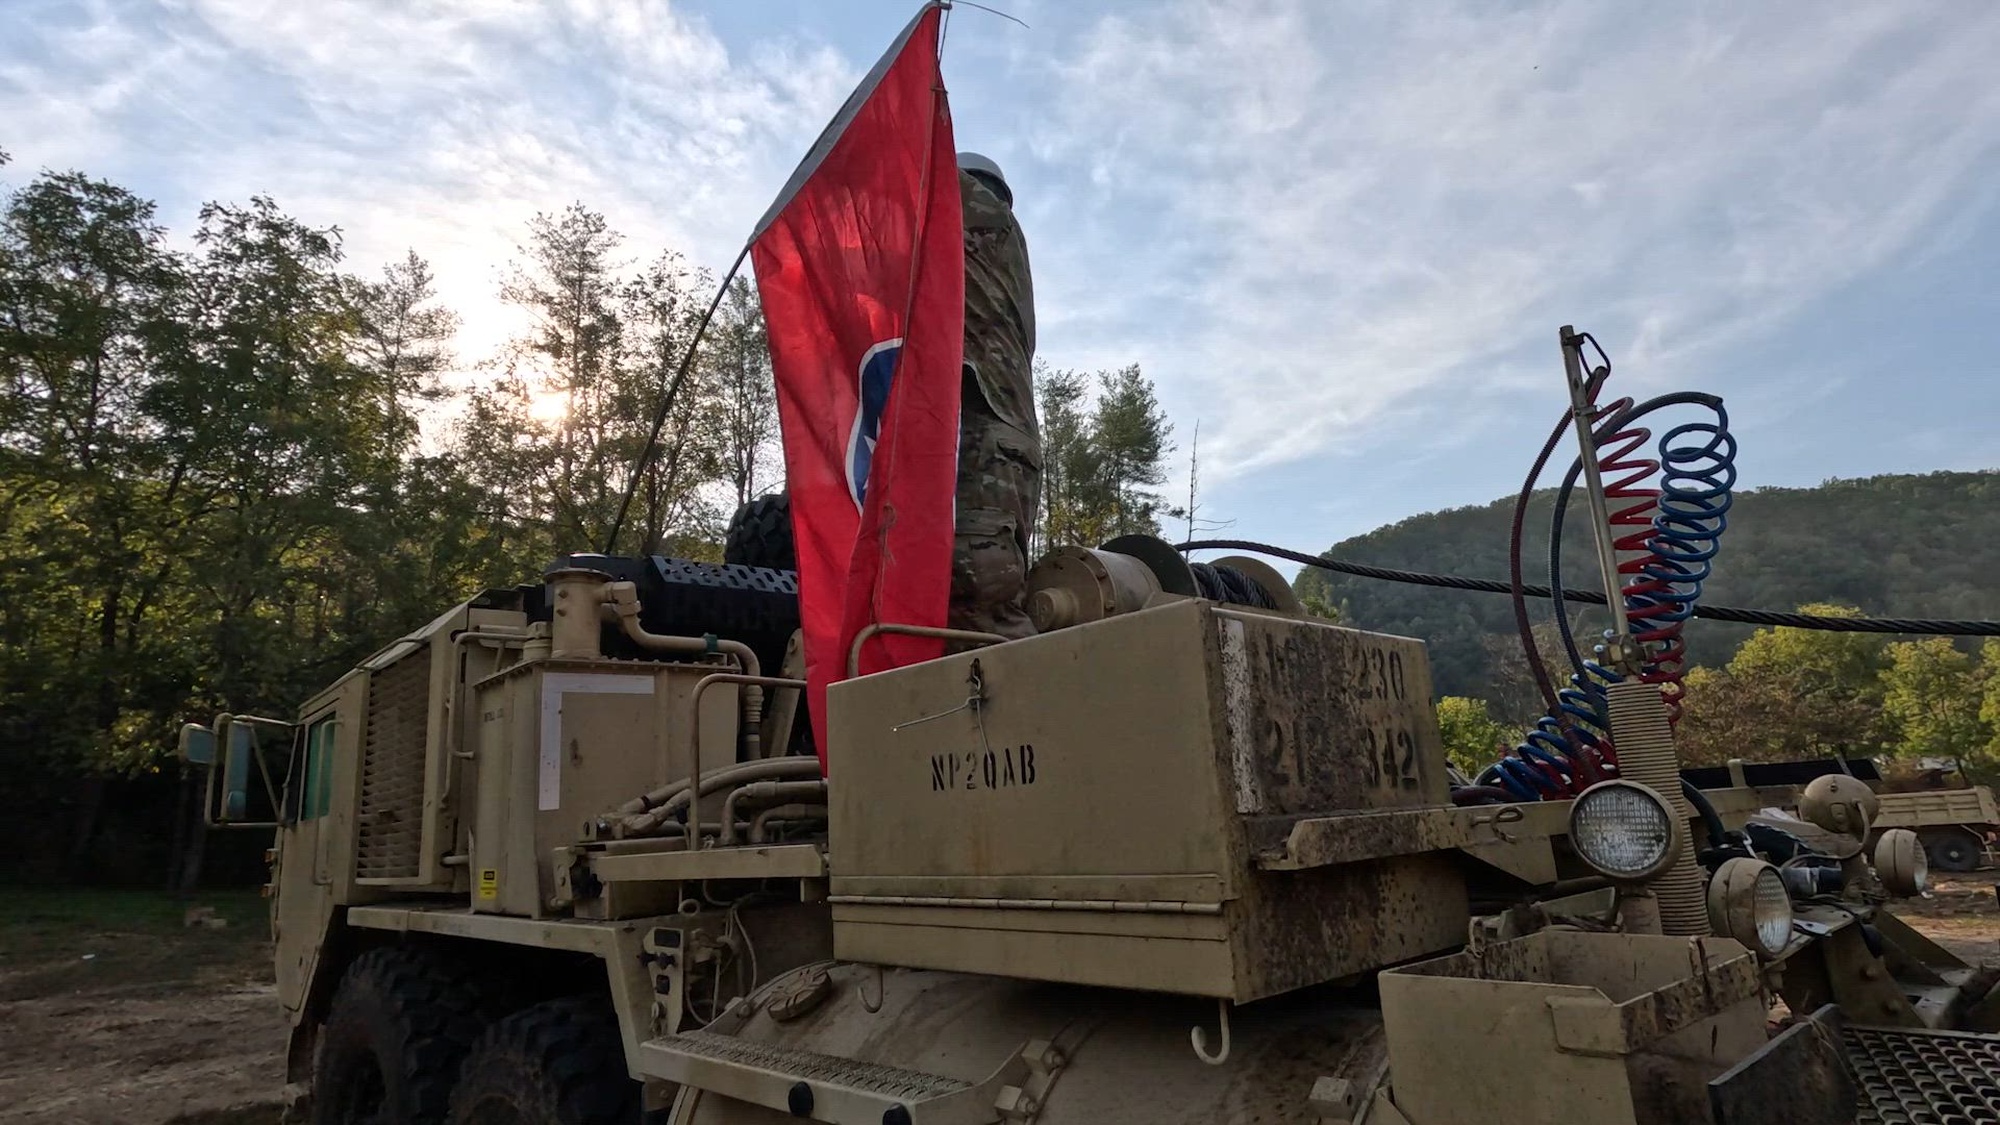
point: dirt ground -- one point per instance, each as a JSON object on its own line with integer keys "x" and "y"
{"x": 1961, "y": 914}
{"x": 113, "y": 1010}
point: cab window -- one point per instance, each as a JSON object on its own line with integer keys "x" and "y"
{"x": 316, "y": 795}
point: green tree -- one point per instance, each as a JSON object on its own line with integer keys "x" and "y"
{"x": 1845, "y": 664}
{"x": 1989, "y": 705}
{"x": 1931, "y": 696}
{"x": 1789, "y": 693}
{"x": 1473, "y": 739}
{"x": 87, "y": 498}
{"x": 555, "y": 434}
{"x": 739, "y": 355}
{"x": 1072, "y": 503}
{"x": 1906, "y": 546}
{"x": 1102, "y": 458}
{"x": 1130, "y": 432}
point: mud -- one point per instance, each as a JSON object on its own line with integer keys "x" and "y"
{"x": 1961, "y": 913}
{"x": 210, "y": 1051}
{"x": 138, "y": 1059}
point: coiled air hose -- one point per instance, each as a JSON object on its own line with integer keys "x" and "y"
{"x": 1667, "y": 550}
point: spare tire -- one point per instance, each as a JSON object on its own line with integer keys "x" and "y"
{"x": 760, "y": 534}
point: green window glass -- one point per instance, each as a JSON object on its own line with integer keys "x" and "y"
{"x": 318, "y": 795}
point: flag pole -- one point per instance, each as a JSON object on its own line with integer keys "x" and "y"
{"x": 667, "y": 402}
{"x": 814, "y": 155}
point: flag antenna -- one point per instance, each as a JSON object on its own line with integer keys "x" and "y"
{"x": 667, "y": 402}
{"x": 995, "y": 11}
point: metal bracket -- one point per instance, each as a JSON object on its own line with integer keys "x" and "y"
{"x": 1509, "y": 814}
{"x": 1019, "y": 1104}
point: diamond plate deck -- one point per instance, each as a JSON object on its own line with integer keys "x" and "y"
{"x": 1925, "y": 1077}
{"x": 808, "y": 1066}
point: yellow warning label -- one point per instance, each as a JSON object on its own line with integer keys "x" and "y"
{"x": 489, "y": 882}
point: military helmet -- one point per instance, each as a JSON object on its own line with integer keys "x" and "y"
{"x": 987, "y": 171}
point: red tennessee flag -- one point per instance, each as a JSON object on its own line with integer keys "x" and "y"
{"x": 861, "y": 268}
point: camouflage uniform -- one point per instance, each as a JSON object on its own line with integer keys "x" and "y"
{"x": 999, "y": 442}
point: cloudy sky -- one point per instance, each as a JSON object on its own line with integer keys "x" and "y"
{"x": 1340, "y": 235}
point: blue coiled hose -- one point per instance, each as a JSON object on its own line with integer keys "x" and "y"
{"x": 1697, "y": 479}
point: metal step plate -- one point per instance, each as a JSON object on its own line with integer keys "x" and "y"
{"x": 1925, "y": 1077}
{"x": 818, "y": 1069}
{"x": 824, "y": 1088}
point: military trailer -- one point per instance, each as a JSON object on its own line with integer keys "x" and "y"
{"x": 1957, "y": 826}
{"x": 567, "y": 854}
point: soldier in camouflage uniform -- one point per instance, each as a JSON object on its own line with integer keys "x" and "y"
{"x": 999, "y": 441}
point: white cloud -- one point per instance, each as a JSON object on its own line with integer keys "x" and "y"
{"x": 1365, "y": 211}
{"x": 1334, "y": 233}
{"x": 440, "y": 127}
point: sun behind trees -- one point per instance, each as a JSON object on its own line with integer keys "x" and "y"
{"x": 552, "y": 436}
{"x": 230, "y": 471}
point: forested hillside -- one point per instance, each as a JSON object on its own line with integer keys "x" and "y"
{"x": 1908, "y": 546}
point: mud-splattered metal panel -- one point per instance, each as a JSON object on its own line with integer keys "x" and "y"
{"x": 1323, "y": 719}
{"x": 1087, "y": 752}
{"x": 1067, "y": 807}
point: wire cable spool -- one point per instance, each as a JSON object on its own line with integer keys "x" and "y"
{"x": 1235, "y": 580}
{"x": 1072, "y": 585}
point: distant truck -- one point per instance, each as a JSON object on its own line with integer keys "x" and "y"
{"x": 1957, "y": 826}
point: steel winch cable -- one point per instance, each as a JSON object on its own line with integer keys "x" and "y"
{"x": 1913, "y": 626}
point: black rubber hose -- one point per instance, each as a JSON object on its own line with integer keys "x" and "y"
{"x": 1517, "y": 589}
{"x": 1706, "y": 808}
{"x": 1616, "y": 423}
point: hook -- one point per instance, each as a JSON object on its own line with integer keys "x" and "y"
{"x": 1199, "y": 1037}
{"x": 1512, "y": 814}
{"x": 881, "y": 993}
{"x": 974, "y": 697}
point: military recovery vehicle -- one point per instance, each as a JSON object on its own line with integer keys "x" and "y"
{"x": 565, "y": 854}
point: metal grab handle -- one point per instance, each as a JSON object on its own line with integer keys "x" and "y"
{"x": 871, "y": 631}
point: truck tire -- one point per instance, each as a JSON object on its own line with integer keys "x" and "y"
{"x": 1953, "y": 851}
{"x": 558, "y": 1063}
{"x": 400, "y": 1023}
{"x": 760, "y": 534}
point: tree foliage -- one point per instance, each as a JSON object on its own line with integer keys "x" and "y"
{"x": 1105, "y": 440}
{"x": 230, "y": 471}
{"x": 1473, "y": 739}
{"x": 1932, "y": 698}
{"x": 1909, "y": 546}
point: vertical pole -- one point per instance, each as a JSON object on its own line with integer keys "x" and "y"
{"x": 1582, "y": 413}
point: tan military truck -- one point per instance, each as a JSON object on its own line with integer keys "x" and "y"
{"x": 565, "y": 855}
{"x": 1957, "y": 826}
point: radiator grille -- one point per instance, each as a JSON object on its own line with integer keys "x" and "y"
{"x": 390, "y": 837}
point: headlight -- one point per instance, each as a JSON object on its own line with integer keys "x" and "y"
{"x": 1624, "y": 830}
{"x": 1900, "y": 861}
{"x": 1747, "y": 901}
